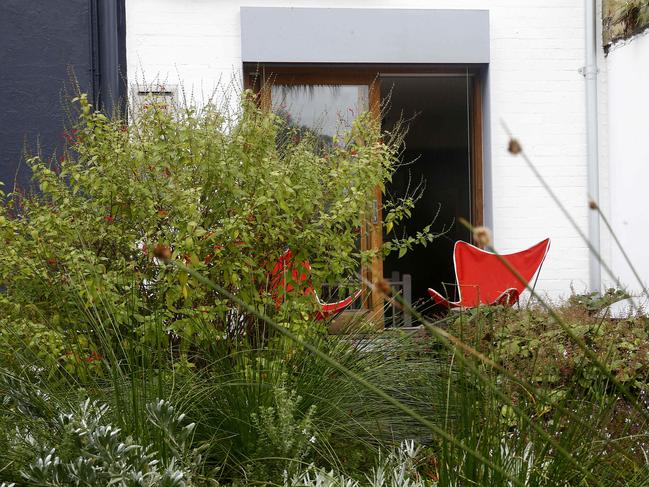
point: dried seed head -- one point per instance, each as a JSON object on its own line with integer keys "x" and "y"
{"x": 384, "y": 287}
{"x": 162, "y": 252}
{"x": 514, "y": 147}
{"x": 482, "y": 236}
{"x": 592, "y": 204}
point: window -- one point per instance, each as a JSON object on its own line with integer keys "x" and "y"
{"x": 443, "y": 148}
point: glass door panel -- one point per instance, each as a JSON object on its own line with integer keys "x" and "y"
{"x": 326, "y": 109}
{"x": 329, "y": 111}
{"x": 444, "y": 145}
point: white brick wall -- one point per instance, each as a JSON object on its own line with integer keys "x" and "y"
{"x": 537, "y": 46}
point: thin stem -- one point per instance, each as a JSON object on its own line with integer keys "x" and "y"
{"x": 448, "y": 389}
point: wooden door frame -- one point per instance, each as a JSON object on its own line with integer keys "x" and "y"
{"x": 259, "y": 77}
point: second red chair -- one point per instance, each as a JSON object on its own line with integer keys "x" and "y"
{"x": 483, "y": 279}
{"x": 287, "y": 277}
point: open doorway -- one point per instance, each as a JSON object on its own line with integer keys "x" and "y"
{"x": 443, "y": 148}
{"x": 438, "y": 158}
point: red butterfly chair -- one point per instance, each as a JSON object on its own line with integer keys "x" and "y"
{"x": 483, "y": 279}
{"x": 299, "y": 274}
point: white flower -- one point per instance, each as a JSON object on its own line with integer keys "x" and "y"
{"x": 312, "y": 439}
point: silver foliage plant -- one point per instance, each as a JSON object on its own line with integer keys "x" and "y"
{"x": 283, "y": 433}
{"x": 397, "y": 469}
{"x": 106, "y": 456}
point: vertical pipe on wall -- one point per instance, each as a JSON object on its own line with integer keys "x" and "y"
{"x": 590, "y": 75}
{"x": 94, "y": 52}
{"x": 121, "y": 58}
{"x": 108, "y": 55}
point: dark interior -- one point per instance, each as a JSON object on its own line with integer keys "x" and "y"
{"x": 436, "y": 154}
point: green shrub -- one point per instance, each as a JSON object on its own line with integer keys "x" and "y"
{"x": 224, "y": 193}
{"x": 530, "y": 344}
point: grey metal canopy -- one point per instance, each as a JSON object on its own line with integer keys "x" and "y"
{"x": 357, "y": 35}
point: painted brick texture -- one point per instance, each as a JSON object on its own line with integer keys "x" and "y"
{"x": 537, "y": 47}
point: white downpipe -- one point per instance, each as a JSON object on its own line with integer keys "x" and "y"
{"x": 590, "y": 74}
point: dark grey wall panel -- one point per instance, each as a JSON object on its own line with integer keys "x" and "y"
{"x": 39, "y": 40}
{"x": 41, "y": 43}
{"x": 350, "y": 35}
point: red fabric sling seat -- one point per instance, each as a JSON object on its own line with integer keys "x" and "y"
{"x": 482, "y": 279}
{"x": 287, "y": 275}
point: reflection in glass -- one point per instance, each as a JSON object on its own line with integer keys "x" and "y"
{"x": 327, "y": 110}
